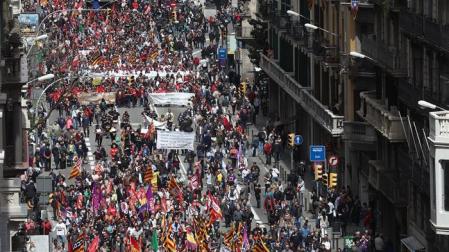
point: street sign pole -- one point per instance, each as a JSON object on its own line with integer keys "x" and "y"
{"x": 292, "y": 163}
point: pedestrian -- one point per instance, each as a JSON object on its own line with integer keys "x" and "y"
{"x": 267, "y": 148}
{"x": 257, "y": 193}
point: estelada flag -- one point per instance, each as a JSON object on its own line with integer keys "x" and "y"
{"x": 78, "y": 246}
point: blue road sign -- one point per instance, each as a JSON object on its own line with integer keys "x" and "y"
{"x": 317, "y": 153}
{"x": 298, "y": 140}
{"x": 222, "y": 53}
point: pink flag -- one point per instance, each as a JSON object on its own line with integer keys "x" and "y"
{"x": 96, "y": 196}
{"x": 245, "y": 245}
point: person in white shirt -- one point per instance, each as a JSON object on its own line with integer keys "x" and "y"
{"x": 379, "y": 243}
{"x": 60, "y": 228}
{"x": 326, "y": 244}
{"x": 61, "y": 231}
{"x": 245, "y": 173}
{"x": 275, "y": 174}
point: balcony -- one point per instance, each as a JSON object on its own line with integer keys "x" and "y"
{"x": 10, "y": 200}
{"x": 280, "y": 20}
{"x": 393, "y": 5}
{"x": 14, "y": 70}
{"x": 332, "y": 123}
{"x": 326, "y": 51}
{"x": 386, "y": 121}
{"x": 436, "y": 34}
{"x": 359, "y": 132}
{"x": 424, "y": 29}
{"x": 385, "y": 182}
{"x": 296, "y": 34}
{"x": 439, "y": 127}
{"x": 387, "y": 57}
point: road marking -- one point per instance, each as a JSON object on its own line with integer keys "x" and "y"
{"x": 253, "y": 210}
{"x": 90, "y": 155}
{"x": 181, "y": 164}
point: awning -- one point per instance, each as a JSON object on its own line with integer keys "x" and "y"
{"x": 412, "y": 244}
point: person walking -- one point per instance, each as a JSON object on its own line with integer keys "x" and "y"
{"x": 257, "y": 192}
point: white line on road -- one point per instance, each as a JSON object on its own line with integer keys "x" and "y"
{"x": 90, "y": 155}
{"x": 253, "y": 210}
{"x": 181, "y": 164}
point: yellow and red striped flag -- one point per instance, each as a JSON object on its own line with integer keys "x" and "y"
{"x": 76, "y": 169}
{"x": 148, "y": 175}
{"x": 260, "y": 247}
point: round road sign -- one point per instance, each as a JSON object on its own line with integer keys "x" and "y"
{"x": 333, "y": 160}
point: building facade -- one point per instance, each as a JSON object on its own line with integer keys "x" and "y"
{"x": 365, "y": 110}
{"x": 13, "y": 122}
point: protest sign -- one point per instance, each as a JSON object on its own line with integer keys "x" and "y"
{"x": 175, "y": 140}
{"x": 95, "y": 98}
{"x": 180, "y": 99}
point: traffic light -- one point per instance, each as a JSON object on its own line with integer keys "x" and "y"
{"x": 318, "y": 171}
{"x": 333, "y": 180}
{"x": 243, "y": 88}
{"x": 291, "y": 140}
{"x": 325, "y": 179}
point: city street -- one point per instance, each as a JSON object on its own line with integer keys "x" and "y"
{"x": 230, "y": 200}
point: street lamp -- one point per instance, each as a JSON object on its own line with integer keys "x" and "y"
{"x": 33, "y": 41}
{"x": 42, "y": 78}
{"x": 311, "y": 27}
{"x": 360, "y": 56}
{"x": 296, "y": 14}
{"x": 426, "y": 104}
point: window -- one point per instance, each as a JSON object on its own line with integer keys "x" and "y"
{"x": 445, "y": 166}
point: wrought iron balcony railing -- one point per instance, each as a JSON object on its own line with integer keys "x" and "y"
{"x": 393, "y": 60}
{"x": 328, "y": 120}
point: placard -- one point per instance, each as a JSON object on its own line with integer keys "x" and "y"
{"x": 180, "y": 99}
{"x": 175, "y": 140}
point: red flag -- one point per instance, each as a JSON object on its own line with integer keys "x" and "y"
{"x": 226, "y": 123}
{"x": 94, "y": 245}
{"x": 135, "y": 245}
{"x": 194, "y": 182}
{"x": 215, "y": 210}
{"x": 100, "y": 89}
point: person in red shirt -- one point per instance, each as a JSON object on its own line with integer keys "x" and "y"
{"x": 46, "y": 227}
{"x": 113, "y": 151}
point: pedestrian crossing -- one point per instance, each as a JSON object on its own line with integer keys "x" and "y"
{"x": 90, "y": 155}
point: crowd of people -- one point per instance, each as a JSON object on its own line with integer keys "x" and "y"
{"x": 138, "y": 197}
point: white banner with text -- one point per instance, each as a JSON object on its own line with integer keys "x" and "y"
{"x": 174, "y": 140}
{"x": 180, "y": 99}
